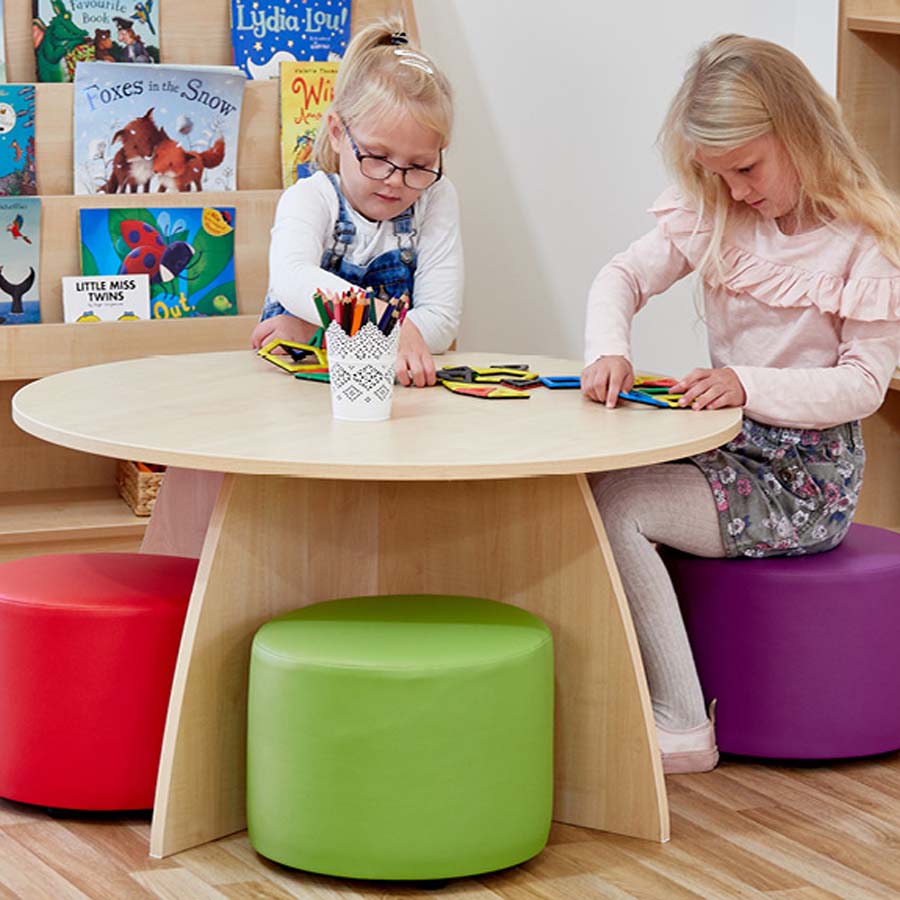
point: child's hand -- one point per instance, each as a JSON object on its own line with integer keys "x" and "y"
{"x": 711, "y": 389}
{"x": 282, "y": 328}
{"x": 415, "y": 364}
{"x": 602, "y": 380}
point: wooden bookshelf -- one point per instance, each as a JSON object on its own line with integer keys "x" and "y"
{"x": 57, "y": 500}
{"x": 869, "y": 93}
{"x": 875, "y": 24}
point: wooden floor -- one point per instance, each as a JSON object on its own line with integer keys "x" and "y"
{"x": 743, "y": 831}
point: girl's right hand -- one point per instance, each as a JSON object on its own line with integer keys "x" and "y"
{"x": 282, "y": 327}
{"x": 603, "y": 379}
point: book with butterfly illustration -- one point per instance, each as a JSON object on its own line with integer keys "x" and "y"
{"x": 17, "y": 169}
{"x": 307, "y": 89}
{"x": 69, "y": 32}
{"x": 20, "y": 252}
{"x": 187, "y": 252}
{"x": 265, "y": 33}
{"x": 156, "y": 128}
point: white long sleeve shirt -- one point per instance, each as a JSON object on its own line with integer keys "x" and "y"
{"x": 304, "y": 223}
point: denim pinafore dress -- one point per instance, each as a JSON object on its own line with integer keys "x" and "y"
{"x": 389, "y": 275}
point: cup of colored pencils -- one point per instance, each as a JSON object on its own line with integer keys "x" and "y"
{"x": 362, "y": 352}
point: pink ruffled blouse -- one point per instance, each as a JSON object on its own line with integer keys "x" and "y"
{"x": 810, "y": 322}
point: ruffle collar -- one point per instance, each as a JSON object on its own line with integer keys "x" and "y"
{"x": 870, "y": 291}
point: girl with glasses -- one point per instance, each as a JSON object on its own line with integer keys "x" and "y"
{"x": 378, "y": 212}
{"x": 796, "y": 242}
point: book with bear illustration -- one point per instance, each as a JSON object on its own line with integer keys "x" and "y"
{"x": 265, "y": 33}
{"x": 69, "y": 32}
{"x": 307, "y": 89}
{"x": 142, "y": 128}
{"x": 17, "y": 168}
{"x": 20, "y": 252}
{"x": 187, "y": 252}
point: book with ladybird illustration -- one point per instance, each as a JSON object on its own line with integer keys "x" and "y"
{"x": 187, "y": 252}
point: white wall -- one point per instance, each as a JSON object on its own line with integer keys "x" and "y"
{"x": 558, "y": 105}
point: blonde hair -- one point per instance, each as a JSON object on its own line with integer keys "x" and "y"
{"x": 738, "y": 89}
{"x": 382, "y": 74}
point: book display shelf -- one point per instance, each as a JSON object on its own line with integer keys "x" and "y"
{"x": 869, "y": 93}
{"x": 57, "y": 500}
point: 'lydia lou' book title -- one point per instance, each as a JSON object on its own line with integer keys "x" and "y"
{"x": 187, "y": 252}
{"x": 69, "y": 32}
{"x": 156, "y": 128}
{"x": 20, "y": 253}
{"x": 265, "y": 33}
{"x": 307, "y": 89}
{"x": 17, "y": 169}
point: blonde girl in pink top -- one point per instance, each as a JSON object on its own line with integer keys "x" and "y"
{"x": 797, "y": 244}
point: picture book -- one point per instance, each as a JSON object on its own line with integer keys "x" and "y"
{"x": 68, "y": 32}
{"x": 106, "y": 298}
{"x": 156, "y": 128}
{"x": 188, "y": 253}
{"x": 307, "y": 89}
{"x": 265, "y": 33}
{"x": 20, "y": 243}
{"x": 17, "y": 171}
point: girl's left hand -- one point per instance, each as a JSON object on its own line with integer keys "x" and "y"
{"x": 711, "y": 389}
{"x": 415, "y": 364}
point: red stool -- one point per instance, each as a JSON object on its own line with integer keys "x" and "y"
{"x": 88, "y": 644}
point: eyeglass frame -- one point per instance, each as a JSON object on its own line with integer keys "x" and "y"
{"x": 438, "y": 173}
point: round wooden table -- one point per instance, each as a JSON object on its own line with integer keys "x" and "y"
{"x": 879, "y": 501}
{"x": 451, "y": 495}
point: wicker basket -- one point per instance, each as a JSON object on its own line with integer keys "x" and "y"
{"x": 138, "y": 484}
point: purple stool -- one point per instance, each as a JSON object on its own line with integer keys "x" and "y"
{"x": 802, "y": 653}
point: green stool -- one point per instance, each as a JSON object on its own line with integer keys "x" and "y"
{"x": 406, "y": 737}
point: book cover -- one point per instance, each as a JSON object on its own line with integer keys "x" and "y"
{"x": 156, "y": 128}
{"x": 106, "y": 298}
{"x": 17, "y": 170}
{"x": 265, "y": 33}
{"x": 307, "y": 89}
{"x": 68, "y": 32}
{"x": 20, "y": 245}
{"x": 187, "y": 252}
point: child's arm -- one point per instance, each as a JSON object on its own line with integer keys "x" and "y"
{"x": 437, "y": 300}
{"x": 821, "y": 397}
{"x": 651, "y": 265}
{"x": 282, "y": 328}
{"x": 304, "y": 221}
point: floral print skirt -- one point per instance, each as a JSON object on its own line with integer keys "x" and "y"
{"x": 785, "y": 491}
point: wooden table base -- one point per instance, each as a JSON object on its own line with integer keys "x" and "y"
{"x": 537, "y": 543}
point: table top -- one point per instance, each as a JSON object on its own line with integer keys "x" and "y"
{"x": 233, "y": 412}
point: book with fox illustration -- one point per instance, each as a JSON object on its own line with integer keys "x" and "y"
{"x": 142, "y": 128}
{"x": 20, "y": 252}
{"x": 307, "y": 89}
{"x": 69, "y": 32}
{"x": 17, "y": 169}
{"x": 265, "y": 33}
{"x": 188, "y": 253}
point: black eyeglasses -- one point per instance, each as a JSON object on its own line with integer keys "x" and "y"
{"x": 380, "y": 168}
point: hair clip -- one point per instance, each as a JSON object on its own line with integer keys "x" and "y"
{"x": 416, "y": 60}
{"x": 399, "y": 37}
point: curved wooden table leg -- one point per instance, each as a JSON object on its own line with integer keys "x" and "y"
{"x": 538, "y": 543}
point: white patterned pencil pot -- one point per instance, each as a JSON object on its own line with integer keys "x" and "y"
{"x": 361, "y": 370}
